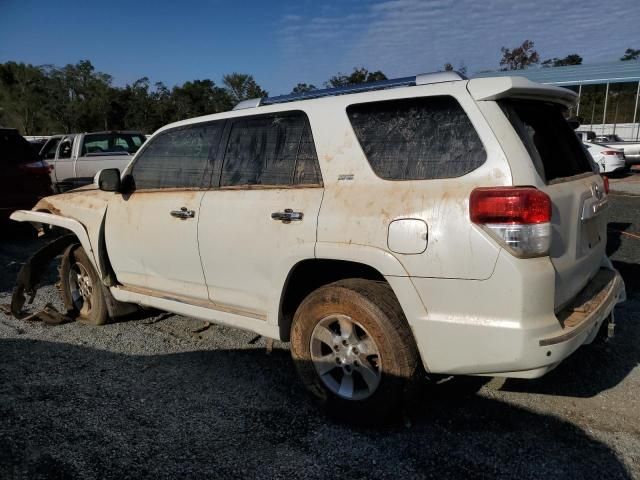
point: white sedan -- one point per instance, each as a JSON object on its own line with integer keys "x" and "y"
{"x": 609, "y": 160}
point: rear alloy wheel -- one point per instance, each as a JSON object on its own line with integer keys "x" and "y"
{"x": 345, "y": 357}
{"x": 354, "y": 350}
{"x": 81, "y": 288}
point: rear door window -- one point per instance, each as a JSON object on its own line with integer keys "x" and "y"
{"x": 555, "y": 150}
{"x": 417, "y": 138}
{"x": 179, "y": 158}
{"x": 271, "y": 150}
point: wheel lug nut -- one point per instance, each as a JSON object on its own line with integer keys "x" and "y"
{"x": 344, "y": 342}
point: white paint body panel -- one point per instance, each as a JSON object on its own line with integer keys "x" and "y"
{"x": 151, "y": 249}
{"x": 246, "y": 255}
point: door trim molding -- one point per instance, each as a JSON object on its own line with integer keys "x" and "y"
{"x": 196, "y": 302}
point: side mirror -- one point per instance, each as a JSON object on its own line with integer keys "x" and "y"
{"x": 108, "y": 180}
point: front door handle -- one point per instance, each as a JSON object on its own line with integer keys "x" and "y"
{"x": 183, "y": 213}
{"x": 287, "y": 216}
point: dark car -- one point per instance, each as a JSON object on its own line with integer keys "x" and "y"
{"x": 37, "y": 143}
{"x": 25, "y": 177}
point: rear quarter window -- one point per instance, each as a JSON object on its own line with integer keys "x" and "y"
{"x": 418, "y": 138}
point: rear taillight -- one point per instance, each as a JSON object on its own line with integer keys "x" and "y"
{"x": 39, "y": 167}
{"x": 606, "y": 184}
{"x": 610, "y": 152}
{"x": 519, "y": 218}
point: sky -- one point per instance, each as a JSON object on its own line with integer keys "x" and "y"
{"x": 285, "y": 42}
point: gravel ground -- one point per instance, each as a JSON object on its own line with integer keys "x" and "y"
{"x": 159, "y": 396}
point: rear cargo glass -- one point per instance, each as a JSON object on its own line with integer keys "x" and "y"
{"x": 553, "y": 146}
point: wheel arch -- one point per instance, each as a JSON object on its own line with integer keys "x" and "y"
{"x": 310, "y": 274}
{"x": 44, "y": 217}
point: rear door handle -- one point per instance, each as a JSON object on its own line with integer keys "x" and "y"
{"x": 287, "y": 216}
{"x": 183, "y": 213}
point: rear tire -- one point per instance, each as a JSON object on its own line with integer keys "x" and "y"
{"x": 82, "y": 288}
{"x": 354, "y": 350}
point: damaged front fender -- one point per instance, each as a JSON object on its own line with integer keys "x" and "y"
{"x": 67, "y": 223}
{"x": 31, "y": 272}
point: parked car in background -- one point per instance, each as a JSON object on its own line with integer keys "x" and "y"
{"x": 24, "y": 177}
{"x": 48, "y": 150}
{"x": 37, "y": 143}
{"x": 631, "y": 149}
{"x": 586, "y": 135}
{"x": 79, "y": 156}
{"x": 609, "y": 160}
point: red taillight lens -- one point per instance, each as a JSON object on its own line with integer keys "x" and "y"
{"x": 40, "y": 167}
{"x": 517, "y": 205}
{"x": 609, "y": 152}
{"x": 606, "y": 184}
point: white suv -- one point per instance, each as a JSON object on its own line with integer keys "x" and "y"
{"x": 428, "y": 222}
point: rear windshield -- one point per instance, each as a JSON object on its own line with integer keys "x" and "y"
{"x": 552, "y": 144}
{"x": 15, "y": 149}
{"x": 112, "y": 143}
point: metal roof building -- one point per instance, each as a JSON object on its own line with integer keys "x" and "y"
{"x": 608, "y": 92}
{"x": 597, "y": 73}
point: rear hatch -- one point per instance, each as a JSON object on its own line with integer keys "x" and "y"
{"x": 577, "y": 192}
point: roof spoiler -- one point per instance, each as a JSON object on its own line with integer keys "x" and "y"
{"x": 497, "y": 88}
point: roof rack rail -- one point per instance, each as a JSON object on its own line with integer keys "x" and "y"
{"x": 422, "y": 79}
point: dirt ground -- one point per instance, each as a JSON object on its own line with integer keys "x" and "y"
{"x": 162, "y": 396}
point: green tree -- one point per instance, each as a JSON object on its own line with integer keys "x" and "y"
{"x": 520, "y": 57}
{"x": 462, "y": 68}
{"x": 242, "y": 86}
{"x": 23, "y": 94}
{"x": 80, "y": 97}
{"x": 303, "y": 88}
{"x": 573, "y": 59}
{"x": 200, "y": 97}
{"x": 359, "y": 75}
{"x": 630, "y": 54}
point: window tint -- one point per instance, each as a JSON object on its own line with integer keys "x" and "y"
{"x": 417, "y": 139}
{"x": 178, "y": 158}
{"x": 111, "y": 143}
{"x": 552, "y": 144}
{"x": 271, "y": 150}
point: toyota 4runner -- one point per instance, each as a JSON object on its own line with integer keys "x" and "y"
{"x": 429, "y": 223}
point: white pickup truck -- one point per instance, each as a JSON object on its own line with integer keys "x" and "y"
{"x": 79, "y": 156}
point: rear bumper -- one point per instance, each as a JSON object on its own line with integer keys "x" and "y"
{"x": 619, "y": 169}
{"x": 511, "y": 330}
